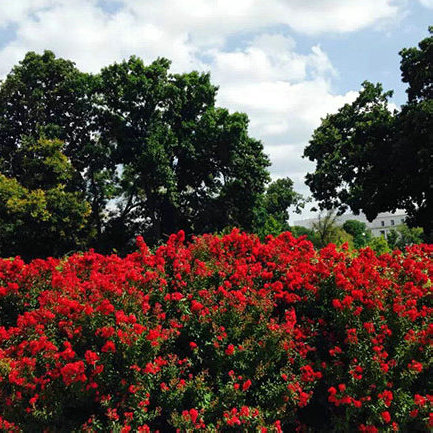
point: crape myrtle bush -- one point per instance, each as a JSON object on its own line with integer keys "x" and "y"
{"x": 220, "y": 334}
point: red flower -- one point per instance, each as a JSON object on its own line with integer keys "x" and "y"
{"x": 414, "y": 413}
{"x": 91, "y": 357}
{"x": 73, "y": 372}
{"x": 415, "y": 366}
{"x": 193, "y": 413}
{"x": 386, "y": 396}
{"x": 109, "y": 346}
{"x": 386, "y": 416}
{"x": 230, "y": 349}
{"x": 246, "y": 385}
{"x": 196, "y": 306}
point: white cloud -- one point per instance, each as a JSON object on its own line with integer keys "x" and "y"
{"x": 209, "y": 21}
{"x": 427, "y": 3}
{"x": 270, "y": 57}
{"x": 80, "y": 29}
{"x": 15, "y": 11}
{"x": 285, "y": 94}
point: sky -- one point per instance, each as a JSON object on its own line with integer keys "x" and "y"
{"x": 286, "y": 63}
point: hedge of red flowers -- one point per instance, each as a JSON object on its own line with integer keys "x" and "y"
{"x": 219, "y": 334}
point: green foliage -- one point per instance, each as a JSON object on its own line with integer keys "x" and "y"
{"x": 185, "y": 162}
{"x": 357, "y": 135}
{"x": 392, "y": 238}
{"x": 327, "y": 231}
{"x": 45, "y": 96}
{"x": 404, "y": 236}
{"x": 361, "y": 234}
{"x": 310, "y": 234}
{"x": 43, "y": 163}
{"x": 379, "y": 245}
{"x": 147, "y": 149}
{"x": 417, "y": 69}
{"x": 39, "y": 213}
{"x": 340, "y": 237}
{"x": 46, "y": 222}
{"x": 366, "y": 155}
{"x": 279, "y": 197}
{"x": 409, "y": 235}
{"x": 266, "y": 224}
{"x": 272, "y": 211}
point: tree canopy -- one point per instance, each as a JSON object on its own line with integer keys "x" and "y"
{"x": 358, "y": 229}
{"x": 272, "y": 211}
{"x": 372, "y": 159}
{"x": 403, "y": 236}
{"x": 39, "y": 216}
{"x": 141, "y": 151}
{"x": 185, "y": 163}
{"x": 328, "y": 231}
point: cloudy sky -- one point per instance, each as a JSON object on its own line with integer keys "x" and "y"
{"x": 286, "y": 63}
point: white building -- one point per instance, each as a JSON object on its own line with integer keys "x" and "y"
{"x": 379, "y": 227}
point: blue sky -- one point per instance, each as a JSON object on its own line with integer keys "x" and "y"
{"x": 372, "y": 54}
{"x": 286, "y": 63}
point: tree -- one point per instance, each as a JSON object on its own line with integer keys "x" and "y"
{"x": 280, "y": 196}
{"x": 361, "y": 234}
{"x": 379, "y": 245}
{"x": 414, "y": 140}
{"x": 404, "y": 236}
{"x": 267, "y": 225}
{"x": 149, "y": 150}
{"x": 48, "y": 96}
{"x": 409, "y": 236}
{"x": 185, "y": 163}
{"x": 392, "y": 238}
{"x": 38, "y": 216}
{"x": 272, "y": 212}
{"x": 350, "y": 148}
{"x": 328, "y": 231}
{"x": 373, "y": 160}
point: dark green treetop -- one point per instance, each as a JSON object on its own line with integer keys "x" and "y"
{"x": 371, "y": 159}
{"x": 272, "y": 212}
{"x": 360, "y": 232}
{"x": 147, "y": 149}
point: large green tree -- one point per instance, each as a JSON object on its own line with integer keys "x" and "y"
{"x": 182, "y": 162}
{"x": 38, "y": 215}
{"x": 49, "y": 96}
{"x": 149, "y": 150}
{"x": 45, "y": 96}
{"x": 372, "y": 159}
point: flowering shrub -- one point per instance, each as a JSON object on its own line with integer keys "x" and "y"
{"x": 221, "y": 334}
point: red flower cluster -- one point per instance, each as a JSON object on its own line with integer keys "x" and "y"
{"x": 221, "y": 334}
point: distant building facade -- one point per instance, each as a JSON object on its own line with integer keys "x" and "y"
{"x": 380, "y": 226}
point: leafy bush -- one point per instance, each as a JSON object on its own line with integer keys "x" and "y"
{"x": 380, "y": 245}
{"x": 220, "y": 334}
{"x": 360, "y": 232}
{"x": 404, "y": 236}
